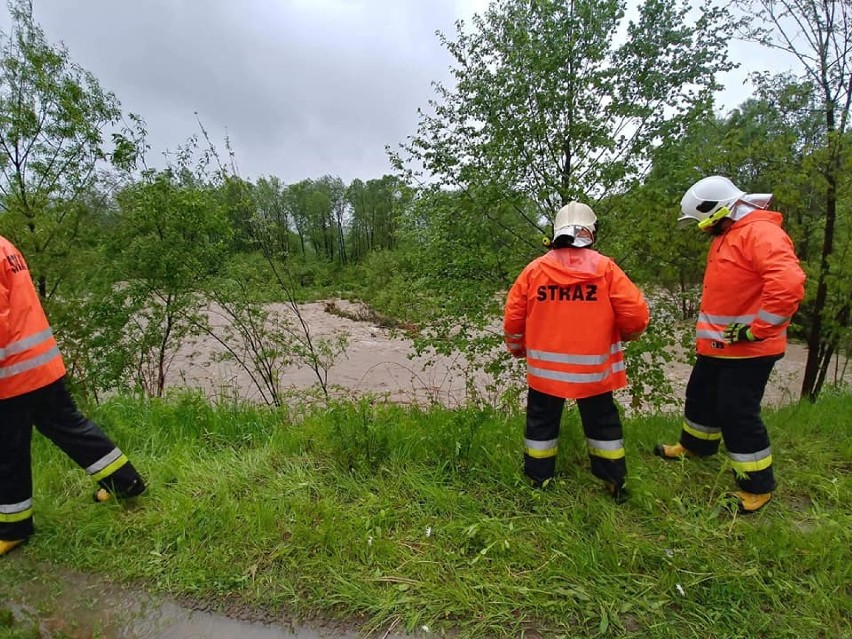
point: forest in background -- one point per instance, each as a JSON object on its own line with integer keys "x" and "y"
{"x": 548, "y": 107}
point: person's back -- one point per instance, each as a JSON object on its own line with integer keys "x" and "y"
{"x": 576, "y": 305}
{"x": 567, "y": 314}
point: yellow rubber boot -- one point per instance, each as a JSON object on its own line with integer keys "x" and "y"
{"x": 6, "y": 546}
{"x": 751, "y": 502}
{"x": 672, "y": 451}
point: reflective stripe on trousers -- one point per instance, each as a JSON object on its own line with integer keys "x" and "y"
{"x": 700, "y": 431}
{"x": 607, "y": 449}
{"x": 541, "y": 450}
{"x": 751, "y": 462}
{"x": 10, "y": 513}
{"x": 107, "y": 464}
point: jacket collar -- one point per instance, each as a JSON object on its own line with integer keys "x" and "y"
{"x": 758, "y": 215}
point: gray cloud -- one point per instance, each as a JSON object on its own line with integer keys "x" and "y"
{"x": 301, "y": 87}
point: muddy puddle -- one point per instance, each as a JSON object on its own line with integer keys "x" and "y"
{"x": 43, "y": 601}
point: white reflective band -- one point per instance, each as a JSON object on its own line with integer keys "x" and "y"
{"x": 35, "y": 362}
{"x": 565, "y": 358}
{"x": 726, "y": 319}
{"x": 11, "y": 509}
{"x": 104, "y": 461}
{"x": 602, "y": 444}
{"x": 580, "y": 360}
{"x": 23, "y": 344}
{"x": 701, "y": 427}
{"x": 513, "y": 335}
{"x": 750, "y": 457}
{"x": 717, "y": 335}
{"x": 514, "y": 347}
{"x": 772, "y": 318}
{"x": 575, "y": 378}
{"x": 532, "y": 444}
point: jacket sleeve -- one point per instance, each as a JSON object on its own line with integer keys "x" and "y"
{"x": 515, "y": 316}
{"x": 628, "y": 304}
{"x": 783, "y": 280}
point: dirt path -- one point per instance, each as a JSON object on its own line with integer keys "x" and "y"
{"x": 378, "y": 362}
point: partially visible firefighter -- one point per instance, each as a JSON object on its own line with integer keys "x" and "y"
{"x": 753, "y": 285}
{"x": 568, "y": 313}
{"x": 33, "y": 392}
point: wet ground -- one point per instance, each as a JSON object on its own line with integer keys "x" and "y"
{"x": 46, "y": 602}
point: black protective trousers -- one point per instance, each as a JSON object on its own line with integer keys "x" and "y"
{"x": 601, "y": 426}
{"x": 52, "y": 411}
{"x": 723, "y": 400}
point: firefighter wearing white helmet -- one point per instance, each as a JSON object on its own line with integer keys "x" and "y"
{"x": 576, "y": 222}
{"x": 567, "y": 314}
{"x": 716, "y": 198}
{"x": 753, "y": 285}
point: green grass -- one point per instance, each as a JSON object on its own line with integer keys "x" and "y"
{"x": 392, "y": 515}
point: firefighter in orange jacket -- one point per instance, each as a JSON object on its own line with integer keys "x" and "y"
{"x": 568, "y": 313}
{"x": 33, "y": 391}
{"x": 753, "y": 285}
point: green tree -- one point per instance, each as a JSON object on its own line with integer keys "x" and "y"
{"x": 271, "y": 208}
{"x": 818, "y": 35}
{"x": 169, "y": 240}
{"x": 548, "y": 104}
{"x": 759, "y": 144}
{"x": 553, "y": 101}
{"x": 377, "y": 207}
{"x": 54, "y": 117}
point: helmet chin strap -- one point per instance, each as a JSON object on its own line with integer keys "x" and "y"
{"x": 713, "y": 219}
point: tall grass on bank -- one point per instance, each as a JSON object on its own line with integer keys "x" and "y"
{"x": 413, "y": 518}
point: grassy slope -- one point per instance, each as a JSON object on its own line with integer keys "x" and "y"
{"x": 421, "y": 518}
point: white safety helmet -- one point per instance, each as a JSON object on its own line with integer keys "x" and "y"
{"x": 577, "y": 221}
{"x": 708, "y": 201}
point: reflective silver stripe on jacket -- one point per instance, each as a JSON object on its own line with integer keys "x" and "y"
{"x": 772, "y": 318}
{"x": 562, "y": 358}
{"x": 23, "y": 344}
{"x": 717, "y": 335}
{"x": 726, "y": 319}
{"x": 580, "y": 360}
{"x": 575, "y": 378}
{"x": 11, "y": 509}
{"x": 104, "y": 461}
{"x": 35, "y": 362}
{"x": 513, "y": 335}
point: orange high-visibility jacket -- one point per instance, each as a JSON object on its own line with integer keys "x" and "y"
{"x": 753, "y": 277}
{"x": 568, "y": 312}
{"x": 29, "y": 357}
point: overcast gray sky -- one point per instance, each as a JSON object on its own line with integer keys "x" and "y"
{"x": 302, "y": 88}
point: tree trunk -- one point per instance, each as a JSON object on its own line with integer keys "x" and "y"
{"x": 817, "y": 342}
